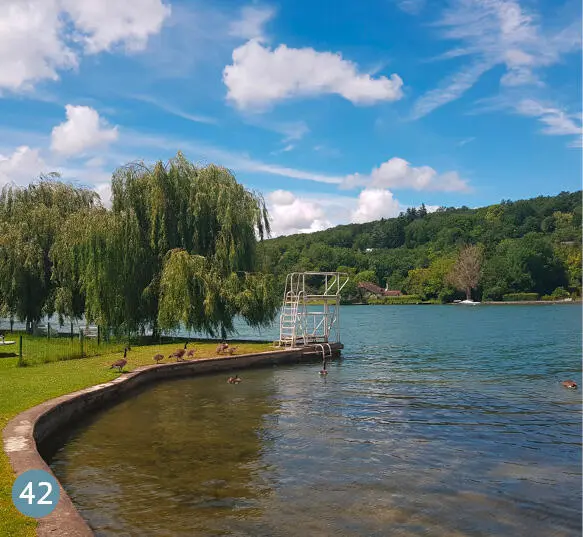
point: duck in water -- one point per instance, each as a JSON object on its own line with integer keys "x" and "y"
{"x": 570, "y": 384}
{"x": 234, "y": 380}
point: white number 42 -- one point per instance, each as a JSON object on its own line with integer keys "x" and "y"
{"x": 27, "y": 494}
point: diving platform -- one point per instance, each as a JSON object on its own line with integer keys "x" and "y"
{"x": 310, "y": 312}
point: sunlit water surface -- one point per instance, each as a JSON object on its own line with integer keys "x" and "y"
{"x": 439, "y": 421}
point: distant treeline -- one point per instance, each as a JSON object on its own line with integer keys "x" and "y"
{"x": 526, "y": 246}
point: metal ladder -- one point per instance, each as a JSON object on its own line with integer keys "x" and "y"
{"x": 288, "y": 319}
{"x": 322, "y": 347}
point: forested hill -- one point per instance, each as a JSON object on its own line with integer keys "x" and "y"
{"x": 529, "y": 245}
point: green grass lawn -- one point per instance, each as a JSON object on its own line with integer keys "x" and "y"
{"x": 25, "y": 387}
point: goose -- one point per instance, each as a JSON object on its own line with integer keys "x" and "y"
{"x": 121, "y": 363}
{"x": 158, "y": 358}
{"x": 234, "y": 380}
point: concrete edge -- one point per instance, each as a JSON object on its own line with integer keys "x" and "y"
{"x": 28, "y": 431}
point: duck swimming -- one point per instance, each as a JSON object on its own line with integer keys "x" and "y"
{"x": 570, "y": 384}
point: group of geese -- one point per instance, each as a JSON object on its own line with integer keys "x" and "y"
{"x": 181, "y": 355}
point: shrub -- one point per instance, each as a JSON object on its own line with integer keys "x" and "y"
{"x": 393, "y": 300}
{"x": 558, "y": 294}
{"x": 518, "y": 297}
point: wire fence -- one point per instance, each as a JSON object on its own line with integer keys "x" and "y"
{"x": 54, "y": 346}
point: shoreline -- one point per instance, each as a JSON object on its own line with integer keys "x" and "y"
{"x": 486, "y": 303}
{"x": 25, "y": 435}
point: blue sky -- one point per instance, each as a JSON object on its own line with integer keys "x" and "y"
{"x": 336, "y": 111}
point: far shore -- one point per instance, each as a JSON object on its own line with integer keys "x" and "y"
{"x": 487, "y": 303}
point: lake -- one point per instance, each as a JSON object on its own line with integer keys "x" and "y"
{"x": 438, "y": 421}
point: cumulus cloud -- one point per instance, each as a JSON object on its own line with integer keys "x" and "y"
{"x": 36, "y": 43}
{"x": 31, "y": 45}
{"x": 490, "y": 34}
{"x": 290, "y": 214}
{"x": 130, "y": 23}
{"x": 250, "y": 24}
{"x": 398, "y": 173}
{"x": 21, "y": 167}
{"x": 83, "y": 130}
{"x": 374, "y": 204}
{"x": 104, "y": 192}
{"x": 260, "y": 77}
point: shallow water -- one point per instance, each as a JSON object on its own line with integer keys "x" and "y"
{"x": 438, "y": 421}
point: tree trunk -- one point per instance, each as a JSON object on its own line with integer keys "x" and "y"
{"x": 468, "y": 293}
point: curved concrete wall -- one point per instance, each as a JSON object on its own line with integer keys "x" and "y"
{"x": 27, "y": 432}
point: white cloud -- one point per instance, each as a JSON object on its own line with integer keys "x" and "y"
{"x": 251, "y": 23}
{"x": 82, "y": 130}
{"x": 375, "y": 203}
{"x": 450, "y": 89}
{"x": 465, "y": 141}
{"x": 22, "y": 167}
{"x": 557, "y": 121}
{"x": 412, "y": 7}
{"x": 31, "y": 45}
{"x": 175, "y": 110}
{"x": 104, "y": 24}
{"x": 398, "y": 173}
{"x": 492, "y": 33}
{"x": 259, "y": 77}
{"x": 104, "y": 191}
{"x": 38, "y": 38}
{"x": 290, "y": 214}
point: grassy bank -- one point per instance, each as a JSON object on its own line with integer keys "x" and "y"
{"x": 25, "y": 387}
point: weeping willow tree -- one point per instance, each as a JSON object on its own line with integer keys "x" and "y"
{"x": 177, "y": 249}
{"x": 30, "y": 221}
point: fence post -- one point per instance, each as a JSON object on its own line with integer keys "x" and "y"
{"x": 98, "y": 335}
{"x": 48, "y": 330}
{"x": 81, "y": 338}
{"x": 71, "y": 329}
{"x": 20, "y": 362}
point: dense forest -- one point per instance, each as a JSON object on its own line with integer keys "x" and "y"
{"x": 527, "y": 246}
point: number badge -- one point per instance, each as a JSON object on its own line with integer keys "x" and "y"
{"x": 35, "y": 493}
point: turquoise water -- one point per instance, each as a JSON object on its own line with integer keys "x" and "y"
{"x": 438, "y": 421}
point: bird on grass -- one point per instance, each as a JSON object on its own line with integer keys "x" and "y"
{"x": 222, "y": 347}
{"x": 231, "y": 350}
{"x": 234, "y": 380}
{"x": 158, "y": 358}
{"x": 179, "y": 353}
{"x": 121, "y": 363}
{"x": 190, "y": 354}
{"x": 570, "y": 384}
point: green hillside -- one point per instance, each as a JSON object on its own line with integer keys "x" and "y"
{"x": 526, "y": 246}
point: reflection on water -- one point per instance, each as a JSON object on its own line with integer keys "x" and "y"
{"x": 439, "y": 421}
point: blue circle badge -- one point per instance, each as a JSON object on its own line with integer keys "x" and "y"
{"x": 35, "y": 493}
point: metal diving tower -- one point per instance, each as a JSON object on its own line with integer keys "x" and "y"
{"x": 310, "y": 311}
